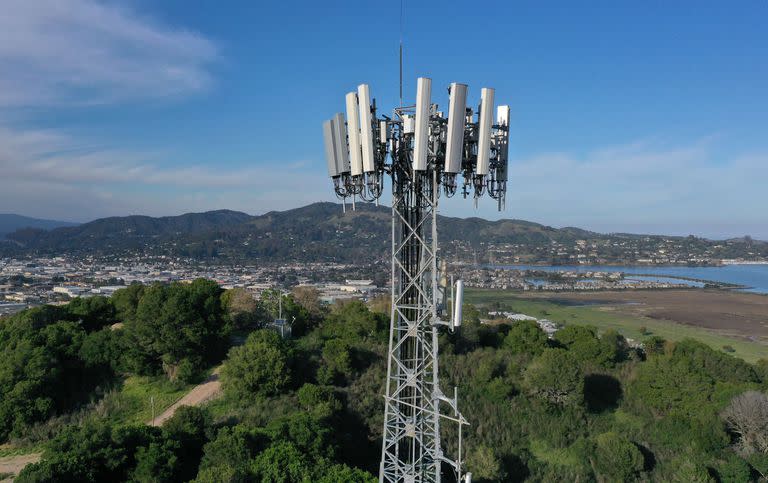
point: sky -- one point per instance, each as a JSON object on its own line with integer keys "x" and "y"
{"x": 645, "y": 117}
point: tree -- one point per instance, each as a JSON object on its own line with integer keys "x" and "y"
{"x": 282, "y": 462}
{"x": 337, "y": 356}
{"x": 318, "y": 400}
{"x": 241, "y": 308}
{"x": 93, "y": 313}
{"x": 733, "y": 468}
{"x": 226, "y": 457}
{"x": 157, "y": 462}
{"x": 584, "y": 343}
{"x": 654, "y": 345}
{"x": 617, "y": 458}
{"x": 175, "y": 323}
{"x": 188, "y": 429}
{"x": 687, "y": 469}
{"x": 747, "y": 417}
{"x": 527, "y": 337}
{"x": 345, "y": 474}
{"x": 94, "y": 452}
{"x": 555, "y": 376}
{"x": 485, "y": 465}
{"x": 260, "y": 367}
{"x": 309, "y": 298}
{"x": 761, "y": 367}
{"x": 126, "y": 301}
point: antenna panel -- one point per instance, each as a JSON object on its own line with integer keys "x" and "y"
{"x": 353, "y": 130}
{"x": 366, "y": 128}
{"x": 340, "y": 144}
{"x": 330, "y": 148}
{"x": 456, "y": 117}
{"x": 484, "y": 139}
{"x": 420, "y": 146}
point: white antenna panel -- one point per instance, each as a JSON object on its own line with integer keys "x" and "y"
{"x": 366, "y": 128}
{"x": 420, "y": 147}
{"x": 340, "y": 143}
{"x": 353, "y": 130}
{"x": 330, "y": 149}
{"x": 484, "y": 140}
{"x": 455, "y": 139}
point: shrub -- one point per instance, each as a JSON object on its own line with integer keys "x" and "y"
{"x": 617, "y": 458}
{"x": 260, "y": 367}
{"x": 555, "y": 376}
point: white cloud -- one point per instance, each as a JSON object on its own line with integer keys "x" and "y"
{"x": 84, "y": 51}
{"x": 644, "y": 186}
{"x": 641, "y": 187}
{"x": 47, "y": 173}
{"x": 62, "y": 53}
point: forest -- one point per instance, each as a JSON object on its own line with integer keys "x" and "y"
{"x": 582, "y": 406}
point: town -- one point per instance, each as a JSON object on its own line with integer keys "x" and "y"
{"x": 53, "y": 280}
{"x": 614, "y": 249}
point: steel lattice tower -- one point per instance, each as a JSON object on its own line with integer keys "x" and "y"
{"x": 426, "y": 152}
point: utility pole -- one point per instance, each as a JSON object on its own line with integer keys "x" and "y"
{"x": 423, "y": 153}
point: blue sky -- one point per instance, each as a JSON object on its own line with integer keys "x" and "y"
{"x": 627, "y": 116}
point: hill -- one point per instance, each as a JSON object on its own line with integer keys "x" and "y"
{"x": 324, "y": 232}
{"x": 9, "y": 223}
{"x": 320, "y": 231}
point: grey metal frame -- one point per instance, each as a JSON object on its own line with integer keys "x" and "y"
{"x": 411, "y": 450}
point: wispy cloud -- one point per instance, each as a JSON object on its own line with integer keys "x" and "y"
{"x": 45, "y": 171}
{"x": 84, "y": 51}
{"x": 644, "y": 186}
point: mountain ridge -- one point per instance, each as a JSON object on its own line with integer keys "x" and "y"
{"x": 10, "y": 222}
{"x": 320, "y": 231}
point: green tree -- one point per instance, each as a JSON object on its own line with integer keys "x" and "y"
{"x": 617, "y": 458}
{"x": 282, "y": 462}
{"x": 260, "y": 367}
{"x": 126, "y": 301}
{"x": 318, "y": 400}
{"x": 157, "y": 462}
{"x": 526, "y": 336}
{"x": 555, "y": 376}
{"x": 175, "y": 323}
{"x": 93, "y": 313}
{"x": 226, "y": 458}
{"x": 345, "y": 474}
{"x": 187, "y": 431}
{"x": 485, "y": 465}
{"x": 733, "y": 468}
{"x": 687, "y": 469}
{"x": 337, "y": 357}
{"x": 588, "y": 349}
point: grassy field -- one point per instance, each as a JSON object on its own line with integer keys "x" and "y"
{"x": 132, "y": 403}
{"x": 607, "y": 317}
{"x": 11, "y": 450}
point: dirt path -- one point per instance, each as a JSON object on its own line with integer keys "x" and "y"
{"x": 209, "y": 389}
{"x": 14, "y": 464}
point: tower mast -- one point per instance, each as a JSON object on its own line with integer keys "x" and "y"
{"x": 423, "y": 153}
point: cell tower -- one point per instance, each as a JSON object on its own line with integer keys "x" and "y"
{"x": 423, "y": 153}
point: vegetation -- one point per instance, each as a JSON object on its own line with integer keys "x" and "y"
{"x": 630, "y": 326}
{"x": 582, "y": 406}
{"x": 59, "y": 358}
